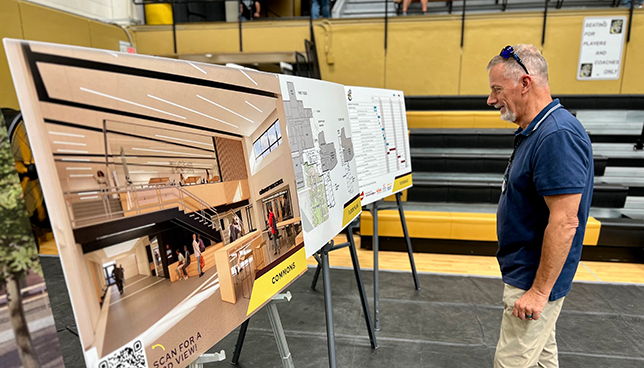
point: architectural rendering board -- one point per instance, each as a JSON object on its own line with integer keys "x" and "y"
{"x": 379, "y": 122}
{"x": 323, "y": 157}
{"x": 141, "y": 155}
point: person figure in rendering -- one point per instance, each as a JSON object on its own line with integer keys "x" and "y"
{"x": 186, "y": 262}
{"x": 117, "y": 273}
{"x": 180, "y": 263}
{"x": 272, "y": 224}
{"x": 543, "y": 209}
{"x": 235, "y": 230}
{"x": 168, "y": 253}
{"x": 196, "y": 249}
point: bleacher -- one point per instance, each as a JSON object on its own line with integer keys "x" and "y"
{"x": 460, "y": 152}
{"x": 374, "y": 8}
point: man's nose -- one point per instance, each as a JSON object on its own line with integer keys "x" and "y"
{"x": 491, "y": 100}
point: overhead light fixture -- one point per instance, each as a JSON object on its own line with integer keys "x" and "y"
{"x": 67, "y": 134}
{"x": 208, "y": 55}
{"x": 70, "y": 143}
{"x": 253, "y": 106}
{"x": 227, "y": 109}
{"x": 247, "y": 76}
{"x": 92, "y": 197}
{"x": 87, "y": 193}
{"x": 158, "y": 163}
{"x": 131, "y": 103}
{"x": 196, "y": 67}
{"x": 191, "y": 110}
{"x": 124, "y": 231}
{"x": 78, "y": 168}
{"x": 172, "y": 152}
{"x": 183, "y": 140}
{"x": 70, "y": 151}
{"x": 75, "y": 159}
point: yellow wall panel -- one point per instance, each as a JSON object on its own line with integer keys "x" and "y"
{"x": 358, "y": 50}
{"x": 45, "y": 24}
{"x": 633, "y": 78}
{"x": 153, "y": 40}
{"x": 106, "y": 36}
{"x": 485, "y": 36}
{"x": 563, "y": 37}
{"x": 262, "y": 36}
{"x": 9, "y": 27}
{"x": 209, "y": 39}
{"x": 423, "y": 56}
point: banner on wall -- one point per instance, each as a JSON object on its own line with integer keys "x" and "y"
{"x": 196, "y": 189}
{"x": 381, "y": 141}
{"x": 601, "y": 49}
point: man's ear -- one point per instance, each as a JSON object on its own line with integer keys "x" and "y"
{"x": 526, "y": 83}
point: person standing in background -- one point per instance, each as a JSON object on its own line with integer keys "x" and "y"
{"x": 272, "y": 224}
{"x": 187, "y": 261}
{"x": 197, "y": 252}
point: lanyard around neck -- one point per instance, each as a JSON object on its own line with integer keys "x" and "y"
{"x": 518, "y": 141}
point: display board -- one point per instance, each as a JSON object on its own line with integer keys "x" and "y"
{"x": 141, "y": 155}
{"x": 601, "y": 49}
{"x": 381, "y": 140}
{"x": 324, "y": 159}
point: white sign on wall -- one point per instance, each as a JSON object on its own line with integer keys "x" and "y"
{"x": 600, "y": 53}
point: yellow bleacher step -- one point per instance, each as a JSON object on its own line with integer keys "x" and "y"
{"x": 449, "y": 225}
{"x": 457, "y": 119}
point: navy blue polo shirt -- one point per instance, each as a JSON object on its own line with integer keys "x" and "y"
{"x": 553, "y": 155}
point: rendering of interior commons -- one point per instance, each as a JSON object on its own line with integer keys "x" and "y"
{"x": 437, "y": 53}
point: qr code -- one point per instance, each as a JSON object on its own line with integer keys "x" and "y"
{"x": 130, "y": 356}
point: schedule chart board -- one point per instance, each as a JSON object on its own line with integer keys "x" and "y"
{"x": 379, "y": 125}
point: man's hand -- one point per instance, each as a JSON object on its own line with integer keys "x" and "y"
{"x": 256, "y": 15}
{"x": 531, "y": 303}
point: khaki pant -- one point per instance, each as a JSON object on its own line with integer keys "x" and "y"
{"x": 527, "y": 343}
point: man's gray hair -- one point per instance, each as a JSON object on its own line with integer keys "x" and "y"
{"x": 532, "y": 59}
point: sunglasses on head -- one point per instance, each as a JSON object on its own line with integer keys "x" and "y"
{"x": 508, "y": 52}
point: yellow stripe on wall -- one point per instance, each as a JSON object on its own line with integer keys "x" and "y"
{"x": 457, "y": 119}
{"x": 449, "y": 225}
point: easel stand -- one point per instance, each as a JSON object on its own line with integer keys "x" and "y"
{"x": 376, "y": 293}
{"x": 323, "y": 265}
{"x": 278, "y": 332}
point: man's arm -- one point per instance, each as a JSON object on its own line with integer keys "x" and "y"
{"x": 258, "y": 8}
{"x": 557, "y": 239}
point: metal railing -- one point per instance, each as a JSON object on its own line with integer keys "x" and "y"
{"x": 138, "y": 199}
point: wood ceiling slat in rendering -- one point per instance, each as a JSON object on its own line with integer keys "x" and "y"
{"x": 170, "y": 92}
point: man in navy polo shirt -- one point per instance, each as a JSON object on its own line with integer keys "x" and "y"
{"x": 543, "y": 209}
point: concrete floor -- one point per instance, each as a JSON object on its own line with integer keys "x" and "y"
{"x": 452, "y": 322}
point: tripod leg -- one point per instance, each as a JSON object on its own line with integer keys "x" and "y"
{"x": 280, "y": 338}
{"x": 407, "y": 240}
{"x": 240, "y": 342}
{"x": 376, "y": 283}
{"x": 328, "y": 306}
{"x": 363, "y": 294}
{"x": 315, "y": 277}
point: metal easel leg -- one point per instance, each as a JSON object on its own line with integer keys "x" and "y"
{"x": 240, "y": 342}
{"x": 410, "y": 251}
{"x": 280, "y": 338}
{"x": 376, "y": 282}
{"x": 328, "y": 306}
{"x": 363, "y": 294}
{"x": 317, "y": 273}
